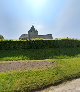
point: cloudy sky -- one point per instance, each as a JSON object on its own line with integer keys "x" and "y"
{"x": 59, "y": 17}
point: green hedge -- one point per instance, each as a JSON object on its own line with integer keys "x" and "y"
{"x": 39, "y": 44}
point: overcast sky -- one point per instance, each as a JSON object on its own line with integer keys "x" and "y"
{"x": 58, "y": 17}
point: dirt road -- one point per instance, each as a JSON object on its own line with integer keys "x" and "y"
{"x": 70, "y": 86}
{"x": 11, "y": 66}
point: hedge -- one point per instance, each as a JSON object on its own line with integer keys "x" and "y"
{"x": 38, "y": 44}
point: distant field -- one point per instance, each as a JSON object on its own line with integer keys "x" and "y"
{"x": 39, "y": 54}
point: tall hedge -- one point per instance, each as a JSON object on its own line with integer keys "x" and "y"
{"x": 39, "y": 44}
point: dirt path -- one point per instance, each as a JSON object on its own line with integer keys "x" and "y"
{"x": 70, "y": 86}
{"x": 10, "y": 66}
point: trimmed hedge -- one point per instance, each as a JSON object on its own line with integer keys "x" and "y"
{"x": 39, "y": 44}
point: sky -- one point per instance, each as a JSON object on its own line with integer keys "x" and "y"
{"x": 61, "y": 18}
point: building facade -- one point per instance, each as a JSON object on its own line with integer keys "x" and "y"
{"x": 33, "y": 33}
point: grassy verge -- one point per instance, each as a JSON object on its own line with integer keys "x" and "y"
{"x": 27, "y": 81}
{"x": 38, "y": 54}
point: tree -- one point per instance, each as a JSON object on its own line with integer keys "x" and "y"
{"x": 1, "y": 37}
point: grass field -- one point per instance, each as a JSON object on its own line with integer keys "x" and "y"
{"x": 68, "y": 67}
{"x": 26, "y": 81}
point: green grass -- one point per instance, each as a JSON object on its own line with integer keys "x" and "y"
{"x": 68, "y": 67}
{"x": 38, "y": 54}
{"x": 26, "y": 81}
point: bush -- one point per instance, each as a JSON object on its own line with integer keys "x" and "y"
{"x": 39, "y": 44}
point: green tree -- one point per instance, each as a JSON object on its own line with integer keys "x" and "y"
{"x": 1, "y": 37}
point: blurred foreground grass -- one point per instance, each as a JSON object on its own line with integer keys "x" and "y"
{"x": 27, "y": 81}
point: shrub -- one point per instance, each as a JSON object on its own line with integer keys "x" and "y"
{"x": 39, "y": 44}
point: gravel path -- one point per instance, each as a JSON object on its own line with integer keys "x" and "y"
{"x": 10, "y": 66}
{"x": 70, "y": 86}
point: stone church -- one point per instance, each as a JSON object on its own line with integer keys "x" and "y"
{"x": 33, "y": 33}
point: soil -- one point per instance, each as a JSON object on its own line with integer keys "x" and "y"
{"x": 70, "y": 86}
{"x": 11, "y": 66}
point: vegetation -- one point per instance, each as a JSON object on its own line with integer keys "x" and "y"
{"x": 39, "y": 54}
{"x": 39, "y": 44}
{"x": 65, "y": 52}
{"x": 37, "y": 39}
{"x": 26, "y": 81}
{"x": 1, "y": 37}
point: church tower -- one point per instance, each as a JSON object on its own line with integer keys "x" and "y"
{"x": 32, "y": 33}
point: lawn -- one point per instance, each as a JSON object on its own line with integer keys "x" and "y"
{"x": 26, "y": 81}
{"x": 68, "y": 67}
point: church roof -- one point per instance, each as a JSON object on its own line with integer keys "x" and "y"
{"x": 32, "y": 29}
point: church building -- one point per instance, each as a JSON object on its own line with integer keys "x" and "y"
{"x": 33, "y": 33}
